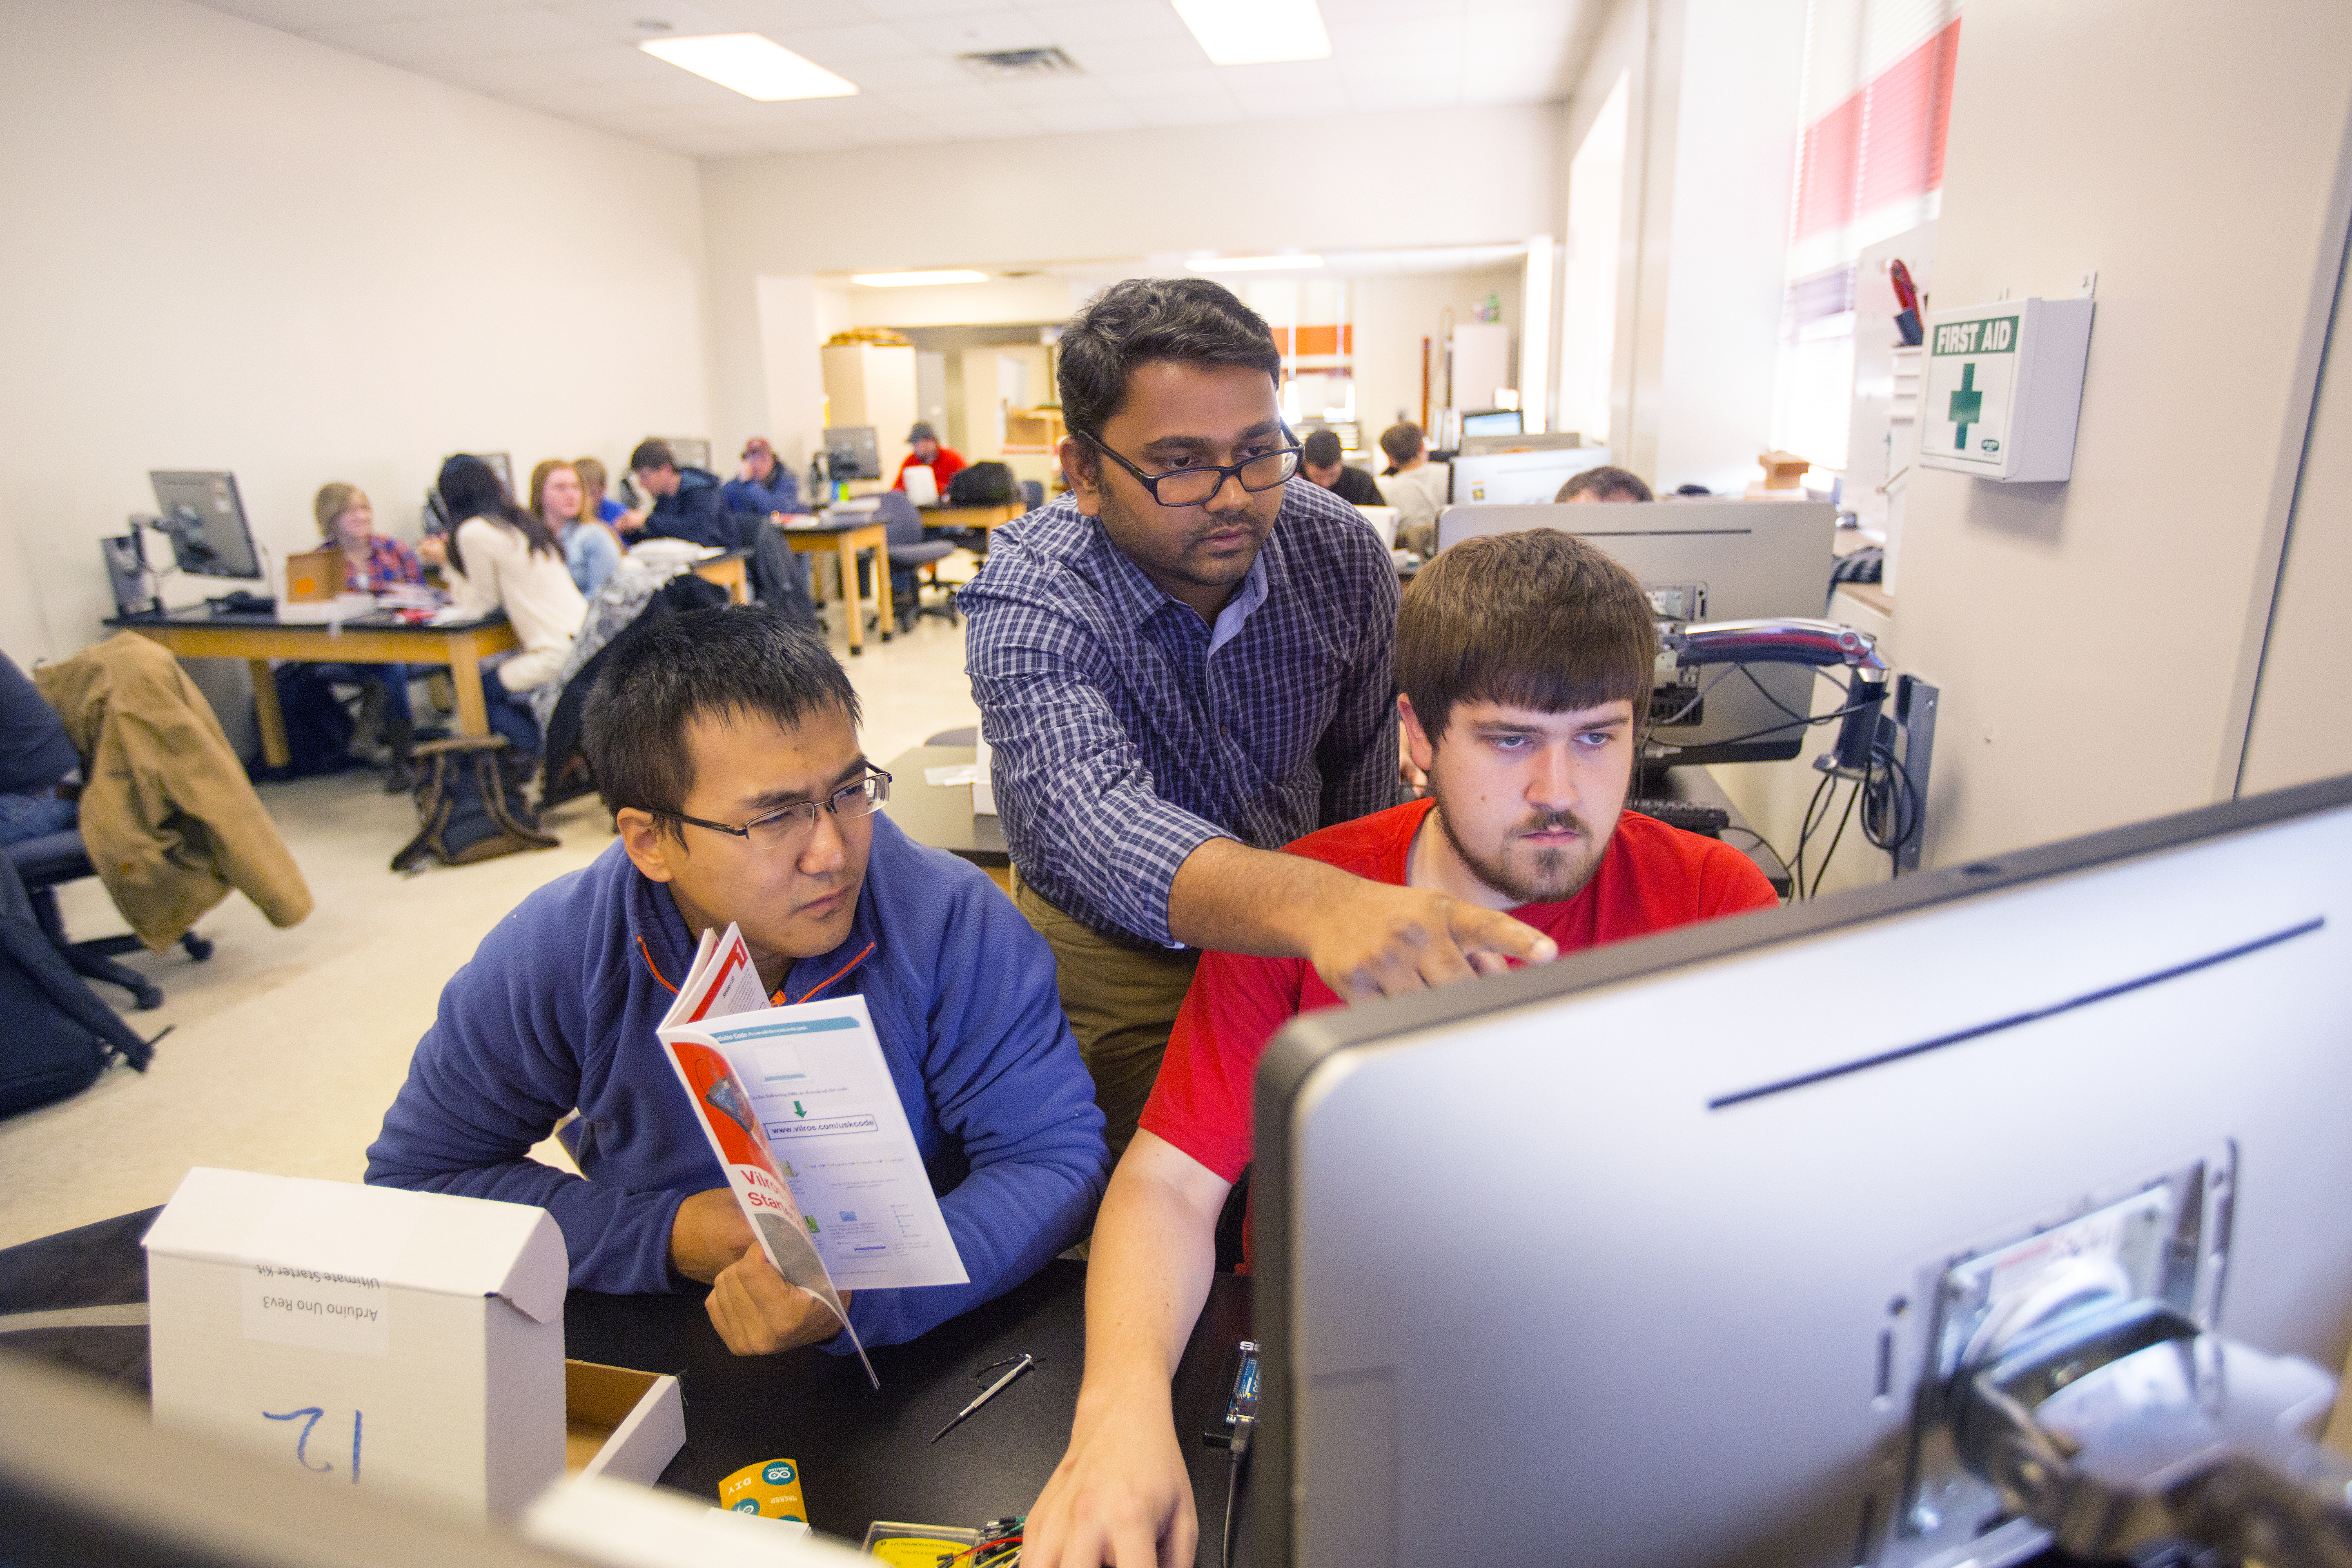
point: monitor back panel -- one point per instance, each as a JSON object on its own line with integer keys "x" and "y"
{"x": 1705, "y": 561}
{"x": 1603, "y": 1277}
{"x": 213, "y": 498}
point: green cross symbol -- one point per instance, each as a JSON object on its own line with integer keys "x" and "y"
{"x": 1968, "y": 405}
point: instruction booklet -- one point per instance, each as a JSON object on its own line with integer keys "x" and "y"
{"x": 800, "y": 1108}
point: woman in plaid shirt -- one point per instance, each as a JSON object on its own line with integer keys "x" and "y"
{"x": 372, "y": 564}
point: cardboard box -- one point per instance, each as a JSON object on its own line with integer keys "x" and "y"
{"x": 372, "y": 1336}
{"x": 624, "y": 1424}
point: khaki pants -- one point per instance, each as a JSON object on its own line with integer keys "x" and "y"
{"x": 1122, "y": 1002}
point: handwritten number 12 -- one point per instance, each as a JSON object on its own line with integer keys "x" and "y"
{"x": 310, "y": 1416}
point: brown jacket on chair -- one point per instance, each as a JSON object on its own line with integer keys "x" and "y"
{"x": 167, "y": 813}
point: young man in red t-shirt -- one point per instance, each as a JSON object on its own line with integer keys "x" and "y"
{"x": 1525, "y": 663}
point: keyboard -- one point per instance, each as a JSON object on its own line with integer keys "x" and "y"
{"x": 1708, "y": 821}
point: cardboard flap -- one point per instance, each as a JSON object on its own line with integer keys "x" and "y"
{"x": 419, "y": 1241}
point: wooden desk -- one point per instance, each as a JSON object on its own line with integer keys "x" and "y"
{"x": 988, "y": 519}
{"x": 200, "y": 633}
{"x": 847, "y": 539}
{"x": 730, "y": 571}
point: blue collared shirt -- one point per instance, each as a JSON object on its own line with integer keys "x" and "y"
{"x": 1127, "y": 732}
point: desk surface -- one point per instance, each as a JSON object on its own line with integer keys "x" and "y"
{"x": 863, "y": 1455}
{"x": 941, "y": 814}
{"x": 246, "y": 620}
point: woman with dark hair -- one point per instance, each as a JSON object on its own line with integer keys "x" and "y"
{"x": 501, "y": 557}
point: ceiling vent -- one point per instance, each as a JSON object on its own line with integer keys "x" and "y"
{"x": 1020, "y": 65}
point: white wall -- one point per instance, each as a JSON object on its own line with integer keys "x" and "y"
{"x": 1711, "y": 106}
{"x": 1462, "y": 176}
{"x": 232, "y": 248}
{"x": 2096, "y": 641}
{"x": 2302, "y": 726}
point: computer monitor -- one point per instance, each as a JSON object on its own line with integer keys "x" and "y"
{"x": 1640, "y": 1258}
{"x": 501, "y": 465}
{"x": 204, "y": 516}
{"x": 1550, "y": 441}
{"x": 1703, "y": 561}
{"x": 1525, "y": 476}
{"x": 689, "y": 451}
{"x": 866, "y": 455}
{"x": 1490, "y": 422}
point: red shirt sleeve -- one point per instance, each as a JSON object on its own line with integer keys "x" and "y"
{"x": 1729, "y": 883}
{"x": 1201, "y": 1103}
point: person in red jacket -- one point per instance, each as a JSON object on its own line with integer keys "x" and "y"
{"x": 1525, "y": 663}
{"x": 926, "y": 453}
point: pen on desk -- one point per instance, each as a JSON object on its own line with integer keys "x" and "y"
{"x": 1020, "y": 1366}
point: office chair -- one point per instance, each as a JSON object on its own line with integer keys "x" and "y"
{"x": 962, "y": 735}
{"x": 910, "y": 552}
{"x": 1033, "y": 491}
{"x": 54, "y": 859}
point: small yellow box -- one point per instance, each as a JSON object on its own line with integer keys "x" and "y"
{"x": 770, "y": 1488}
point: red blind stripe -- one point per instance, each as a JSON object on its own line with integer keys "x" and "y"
{"x": 1882, "y": 143}
{"x": 1333, "y": 340}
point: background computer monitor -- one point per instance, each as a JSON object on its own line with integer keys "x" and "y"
{"x": 1527, "y": 476}
{"x": 1550, "y": 441}
{"x": 1703, "y": 561}
{"x": 205, "y": 518}
{"x": 689, "y": 451}
{"x": 1636, "y": 1258}
{"x": 1490, "y": 422}
{"x": 865, "y": 453}
{"x": 501, "y": 465}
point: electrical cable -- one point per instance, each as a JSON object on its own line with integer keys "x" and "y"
{"x": 1852, "y": 796}
{"x": 1805, "y": 834}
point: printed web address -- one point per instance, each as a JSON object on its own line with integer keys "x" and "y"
{"x": 823, "y": 1126}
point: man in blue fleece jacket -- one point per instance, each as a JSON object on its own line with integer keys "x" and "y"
{"x": 726, "y": 744}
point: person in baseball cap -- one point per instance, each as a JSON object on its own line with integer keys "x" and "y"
{"x": 763, "y": 485}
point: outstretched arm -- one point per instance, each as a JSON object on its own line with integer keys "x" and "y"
{"x": 1121, "y": 1493}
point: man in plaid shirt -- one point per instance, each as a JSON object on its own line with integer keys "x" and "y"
{"x": 1181, "y": 666}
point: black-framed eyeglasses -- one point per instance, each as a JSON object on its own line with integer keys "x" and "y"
{"x": 788, "y": 825}
{"x": 1190, "y": 487}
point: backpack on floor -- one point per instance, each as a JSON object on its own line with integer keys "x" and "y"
{"x": 468, "y": 809}
{"x": 55, "y": 1035}
{"x": 982, "y": 484}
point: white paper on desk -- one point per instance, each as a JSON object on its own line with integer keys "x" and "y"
{"x": 953, "y": 775}
{"x": 923, "y": 484}
{"x": 826, "y": 1104}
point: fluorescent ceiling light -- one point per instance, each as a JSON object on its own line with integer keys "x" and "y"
{"x": 916, "y": 279}
{"x": 1254, "y": 263}
{"x": 750, "y": 65}
{"x": 1256, "y": 32}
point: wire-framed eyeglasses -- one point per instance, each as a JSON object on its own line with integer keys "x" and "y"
{"x": 788, "y": 825}
{"x": 1190, "y": 487}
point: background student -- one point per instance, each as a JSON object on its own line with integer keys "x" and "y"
{"x": 765, "y": 486}
{"x": 1321, "y": 460}
{"x": 1413, "y": 485}
{"x": 371, "y": 564}
{"x": 595, "y": 503}
{"x": 689, "y": 503}
{"x": 591, "y": 549}
{"x": 501, "y": 557}
{"x": 1605, "y": 484}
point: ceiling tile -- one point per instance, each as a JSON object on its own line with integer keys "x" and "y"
{"x": 936, "y": 102}
{"x": 1064, "y": 91}
{"x": 617, "y": 20}
{"x": 609, "y": 64}
{"x": 1191, "y": 81}
{"x": 1120, "y": 56}
{"x": 1290, "y": 76}
{"x": 459, "y": 37}
{"x": 1190, "y": 108}
{"x": 777, "y": 16}
{"x": 837, "y": 47}
{"x": 1079, "y": 118}
{"x": 1102, "y": 19}
{"x": 996, "y": 126}
{"x": 919, "y": 11}
{"x": 910, "y": 73}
